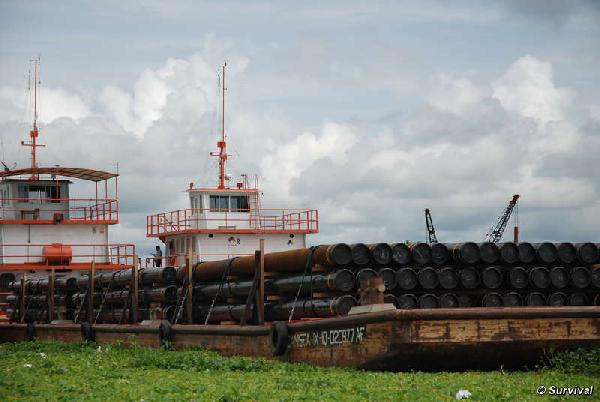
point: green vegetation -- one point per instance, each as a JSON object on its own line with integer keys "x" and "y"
{"x": 59, "y": 371}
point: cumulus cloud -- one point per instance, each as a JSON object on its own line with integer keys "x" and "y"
{"x": 527, "y": 89}
{"x": 462, "y": 152}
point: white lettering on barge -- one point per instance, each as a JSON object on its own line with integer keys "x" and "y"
{"x": 332, "y": 337}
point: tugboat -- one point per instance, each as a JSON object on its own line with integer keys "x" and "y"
{"x": 225, "y": 221}
{"x": 44, "y": 228}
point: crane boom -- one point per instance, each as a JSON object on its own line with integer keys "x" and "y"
{"x": 495, "y": 233}
{"x": 431, "y": 237}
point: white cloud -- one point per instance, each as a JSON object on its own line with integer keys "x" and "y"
{"x": 527, "y": 89}
{"x": 455, "y": 95}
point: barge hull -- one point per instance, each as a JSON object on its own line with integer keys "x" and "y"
{"x": 436, "y": 339}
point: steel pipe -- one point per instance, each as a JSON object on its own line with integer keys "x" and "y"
{"x": 581, "y": 277}
{"x": 489, "y": 252}
{"x": 429, "y": 301}
{"x": 512, "y": 299}
{"x": 535, "y": 299}
{"x": 439, "y": 253}
{"x": 492, "y": 300}
{"x": 448, "y": 300}
{"x": 539, "y": 277}
{"x": 363, "y": 275}
{"x": 469, "y": 278}
{"x": 407, "y": 278}
{"x": 401, "y": 254}
{"x": 578, "y": 299}
{"x": 428, "y": 278}
{"x": 421, "y": 253}
{"x": 558, "y": 299}
{"x": 389, "y": 278}
{"x": 407, "y": 301}
{"x": 448, "y": 278}
{"x": 559, "y": 277}
{"x": 587, "y": 253}
{"x": 361, "y": 255}
{"x": 546, "y": 253}
{"x": 381, "y": 253}
{"x": 518, "y": 278}
{"x": 315, "y": 308}
{"x": 567, "y": 253}
{"x": 509, "y": 253}
{"x": 467, "y": 253}
{"x": 491, "y": 277}
{"x": 526, "y": 253}
{"x": 391, "y": 299}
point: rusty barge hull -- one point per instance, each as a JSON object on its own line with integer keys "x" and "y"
{"x": 435, "y": 339}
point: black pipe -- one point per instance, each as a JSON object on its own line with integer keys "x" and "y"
{"x": 164, "y": 276}
{"x": 407, "y": 301}
{"x": 512, "y": 299}
{"x": 407, "y": 278}
{"x": 381, "y": 253}
{"x": 469, "y": 278}
{"x": 428, "y": 278}
{"x": 401, "y": 254}
{"x": 421, "y": 253}
{"x": 595, "y": 276}
{"x": 363, "y": 275}
{"x": 557, "y": 299}
{"x": 360, "y": 254}
{"x": 315, "y": 308}
{"x": 559, "y": 277}
{"x": 526, "y": 253}
{"x": 465, "y": 301}
{"x": 518, "y": 278}
{"x": 448, "y": 300}
{"x": 391, "y": 299}
{"x": 448, "y": 278}
{"x": 389, "y": 278}
{"x": 489, "y": 252}
{"x": 467, "y": 253}
{"x": 546, "y": 253}
{"x": 509, "y": 253}
{"x": 439, "y": 254}
{"x": 42, "y": 285}
{"x": 535, "y": 299}
{"x": 166, "y": 294}
{"x": 429, "y": 301}
{"x": 581, "y": 277}
{"x": 539, "y": 277}
{"x": 492, "y": 300}
{"x": 567, "y": 253}
{"x": 587, "y": 253}
{"x": 341, "y": 280}
{"x": 578, "y": 299}
{"x": 491, "y": 277}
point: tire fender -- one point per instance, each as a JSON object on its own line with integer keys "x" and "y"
{"x": 164, "y": 334}
{"x": 87, "y": 332}
{"x": 30, "y": 332}
{"x": 280, "y": 338}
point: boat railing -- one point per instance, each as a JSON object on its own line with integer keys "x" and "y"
{"x": 56, "y": 210}
{"x": 232, "y": 220}
{"x": 65, "y": 256}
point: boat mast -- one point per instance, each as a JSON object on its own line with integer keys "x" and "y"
{"x": 222, "y": 145}
{"x": 33, "y": 134}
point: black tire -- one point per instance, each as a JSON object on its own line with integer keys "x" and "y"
{"x": 30, "y": 332}
{"x": 164, "y": 334}
{"x": 87, "y": 332}
{"x": 280, "y": 338}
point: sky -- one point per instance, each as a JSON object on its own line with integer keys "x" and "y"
{"x": 369, "y": 111}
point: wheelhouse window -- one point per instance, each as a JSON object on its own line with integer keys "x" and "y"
{"x": 219, "y": 203}
{"x": 226, "y": 203}
{"x": 39, "y": 194}
{"x": 239, "y": 203}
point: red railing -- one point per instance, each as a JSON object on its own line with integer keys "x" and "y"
{"x": 48, "y": 210}
{"x": 179, "y": 259}
{"x": 66, "y": 256}
{"x": 228, "y": 221}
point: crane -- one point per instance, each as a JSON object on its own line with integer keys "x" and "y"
{"x": 495, "y": 233}
{"x": 431, "y": 237}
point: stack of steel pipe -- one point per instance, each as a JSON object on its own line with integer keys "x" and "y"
{"x": 35, "y": 303}
{"x": 112, "y": 294}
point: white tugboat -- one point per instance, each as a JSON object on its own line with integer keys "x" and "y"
{"x": 43, "y": 227}
{"x": 225, "y": 221}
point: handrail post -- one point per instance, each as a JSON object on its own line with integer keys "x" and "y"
{"x": 134, "y": 291}
{"x": 23, "y": 295}
{"x": 91, "y": 295}
{"x": 189, "y": 302}
{"x": 260, "y": 295}
{"x": 50, "y": 295}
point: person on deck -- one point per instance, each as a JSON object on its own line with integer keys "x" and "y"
{"x": 157, "y": 257}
